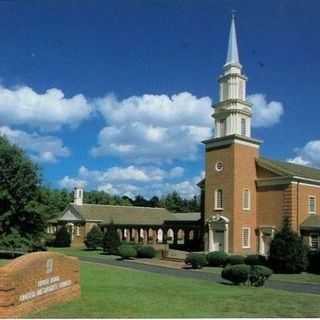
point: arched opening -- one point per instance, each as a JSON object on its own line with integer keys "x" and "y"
{"x": 120, "y": 233}
{"x": 141, "y": 235}
{"x": 160, "y": 236}
{"x": 126, "y": 234}
{"x": 170, "y": 236}
{"x": 180, "y": 236}
{"x": 191, "y": 235}
{"x": 150, "y": 235}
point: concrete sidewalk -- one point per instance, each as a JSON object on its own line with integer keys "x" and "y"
{"x": 193, "y": 274}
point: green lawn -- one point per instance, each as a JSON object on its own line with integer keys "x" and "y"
{"x": 118, "y": 292}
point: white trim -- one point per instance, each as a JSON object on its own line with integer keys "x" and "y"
{"x": 308, "y": 185}
{"x": 245, "y": 143}
{"x": 310, "y": 240}
{"x": 249, "y": 238}
{"x": 248, "y": 208}
{"x": 315, "y": 204}
{"x": 306, "y": 179}
{"x": 216, "y": 207}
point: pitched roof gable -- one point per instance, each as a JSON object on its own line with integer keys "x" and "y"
{"x": 288, "y": 169}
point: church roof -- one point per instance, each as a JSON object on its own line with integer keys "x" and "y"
{"x": 185, "y": 216}
{"x": 232, "y": 56}
{"x": 289, "y": 169}
{"x": 123, "y": 215}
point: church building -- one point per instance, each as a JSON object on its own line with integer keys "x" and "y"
{"x": 246, "y": 197}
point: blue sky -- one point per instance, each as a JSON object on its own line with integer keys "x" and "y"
{"x": 131, "y": 82}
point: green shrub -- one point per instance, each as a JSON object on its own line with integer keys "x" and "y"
{"x": 196, "y": 260}
{"x": 237, "y": 274}
{"x": 217, "y": 259}
{"x": 127, "y": 251}
{"x": 255, "y": 260}
{"x": 288, "y": 253}
{"x": 14, "y": 244}
{"x": 94, "y": 238}
{"x": 235, "y": 259}
{"x": 314, "y": 261}
{"x": 63, "y": 237}
{"x": 146, "y": 252}
{"x": 111, "y": 240}
{"x": 258, "y": 275}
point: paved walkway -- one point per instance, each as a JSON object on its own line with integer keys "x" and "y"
{"x": 184, "y": 273}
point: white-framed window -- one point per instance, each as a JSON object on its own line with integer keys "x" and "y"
{"x": 218, "y": 199}
{"x": 314, "y": 241}
{"x": 246, "y": 200}
{"x": 78, "y": 231}
{"x": 246, "y": 237}
{"x": 243, "y": 127}
{"x": 312, "y": 204}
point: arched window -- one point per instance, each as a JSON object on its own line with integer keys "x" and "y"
{"x": 246, "y": 199}
{"x": 243, "y": 127}
{"x": 218, "y": 205}
{"x": 170, "y": 236}
{"x": 159, "y": 236}
{"x": 180, "y": 236}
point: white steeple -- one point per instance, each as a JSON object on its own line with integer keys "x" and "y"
{"x": 232, "y": 56}
{"x": 232, "y": 112}
{"x": 78, "y": 195}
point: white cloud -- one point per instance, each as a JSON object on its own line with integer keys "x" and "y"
{"x": 131, "y": 181}
{"x": 154, "y": 127}
{"x": 265, "y": 114}
{"x": 41, "y": 148}
{"x": 308, "y": 155}
{"x": 48, "y": 111}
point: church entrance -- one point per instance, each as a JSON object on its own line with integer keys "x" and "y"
{"x": 218, "y": 233}
{"x": 265, "y": 238}
{"x": 219, "y": 240}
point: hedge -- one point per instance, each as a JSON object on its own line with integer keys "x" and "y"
{"x": 196, "y": 260}
{"x": 217, "y": 259}
{"x": 127, "y": 251}
{"x": 146, "y": 252}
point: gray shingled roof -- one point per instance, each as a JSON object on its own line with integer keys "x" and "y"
{"x": 290, "y": 169}
{"x": 311, "y": 223}
{"x": 187, "y": 216}
{"x": 122, "y": 214}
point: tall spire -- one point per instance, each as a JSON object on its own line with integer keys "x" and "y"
{"x": 232, "y": 56}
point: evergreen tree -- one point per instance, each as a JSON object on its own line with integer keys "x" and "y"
{"x": 94, "y": 238}
{"x": 63, "y": 237}
{"x": 288, "y": 254}
{"x": 111, "y": 240}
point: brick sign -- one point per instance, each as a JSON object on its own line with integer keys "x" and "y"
{"x": 36, "y": 280}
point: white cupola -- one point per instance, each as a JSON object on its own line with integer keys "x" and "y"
{"x": 232, "y": 113}
{"x": 78, "y": 195}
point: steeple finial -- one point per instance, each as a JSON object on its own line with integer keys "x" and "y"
{"x": 232, "y": 56}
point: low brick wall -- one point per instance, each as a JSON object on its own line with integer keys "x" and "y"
{"x": 37, "y": 280}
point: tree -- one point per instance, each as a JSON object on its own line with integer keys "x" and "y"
{"x": 288, "y": 254}
{"x": 111, "y": 240}
{"x": 20, "y": 210}
{"x": 94, "y": 238}
{"x": 63, "y": 237}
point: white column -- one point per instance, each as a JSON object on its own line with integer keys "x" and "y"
{"x": 211, "y": 238}
{"x": 261, "y": 243}
{"x": 226, "y": 238}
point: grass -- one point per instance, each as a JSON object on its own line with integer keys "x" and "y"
{"x": 298, "y": 278}
{"x": 118, "y": 292}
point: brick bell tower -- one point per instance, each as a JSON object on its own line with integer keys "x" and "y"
{"x": 229, "y": 188}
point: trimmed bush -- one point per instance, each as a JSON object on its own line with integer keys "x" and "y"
{"x": 258, "y": 275}
{"x": 217, "y": 259}
{"x": 196, "y": 260}
{"x": 314, "y": 261}
{"x": 235, "y": 259}
{"x": 94, "y": 238}
{"x": 111, "y": 240}
{"x": 127, "y": 251}
{"x": 288, "y": 253}
{"x": 63, "y": 237}
{"x": 146, "y": 252}
{"x": 255, "y": 260}
{"x": 237, "y": 274}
